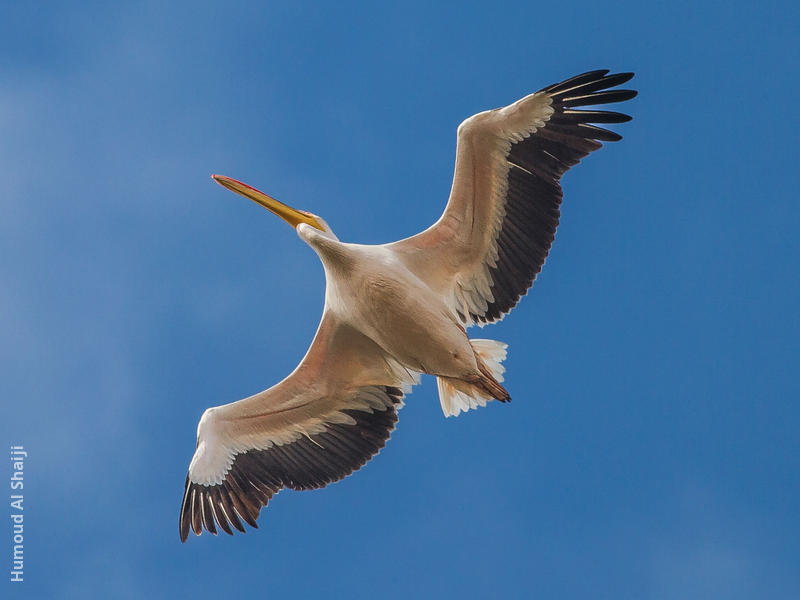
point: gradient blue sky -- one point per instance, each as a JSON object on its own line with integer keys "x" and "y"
{"x": 651, "y": 450}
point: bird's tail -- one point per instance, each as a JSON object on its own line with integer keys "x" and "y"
{"x": 457, "y": 395}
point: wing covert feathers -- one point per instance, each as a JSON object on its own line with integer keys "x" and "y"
{"x": 492, "y": 240}
{"x": 533, "y": 192}
{"x": 307, "y": 462}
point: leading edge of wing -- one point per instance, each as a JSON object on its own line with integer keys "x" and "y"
{"x": 327, "y": 419}
{"x": 495, "y": 234}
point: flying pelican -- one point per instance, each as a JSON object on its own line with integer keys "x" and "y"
{"x": 397, "y": 310}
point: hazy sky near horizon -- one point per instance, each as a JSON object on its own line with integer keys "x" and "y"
{"x": 651, "y": 450}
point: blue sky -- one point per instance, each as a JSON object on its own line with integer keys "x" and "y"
{"x": 651, "y": 450}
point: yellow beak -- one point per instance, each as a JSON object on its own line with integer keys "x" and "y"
{"x": 291, "y": 215}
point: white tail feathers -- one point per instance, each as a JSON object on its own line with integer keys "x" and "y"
{"x": 492, "y": 353}
{"x": 456, "y": 395}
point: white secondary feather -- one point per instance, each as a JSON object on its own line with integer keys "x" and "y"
{"x": 340, "y": 372}
{"x": 454, "y": 255}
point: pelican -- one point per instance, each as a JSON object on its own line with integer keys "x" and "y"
{"x": 395, "y": 311}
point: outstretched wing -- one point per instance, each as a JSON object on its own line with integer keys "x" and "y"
{"x": 484, "y": 252}
{"x": 321, "y": 423}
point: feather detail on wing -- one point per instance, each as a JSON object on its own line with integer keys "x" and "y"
{"x": 485, "y": 251}
{"x": 321, "y": 423}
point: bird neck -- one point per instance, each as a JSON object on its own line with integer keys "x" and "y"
{"x": 335, "y": 255}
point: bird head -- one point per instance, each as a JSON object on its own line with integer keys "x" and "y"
{"x": 303, "y": 221}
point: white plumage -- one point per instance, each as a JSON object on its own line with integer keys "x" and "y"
{"x": 398, "y": 310}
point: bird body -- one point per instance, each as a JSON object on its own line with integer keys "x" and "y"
{"x": 372, "y": 290}
{"x": 398, "y": 310}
